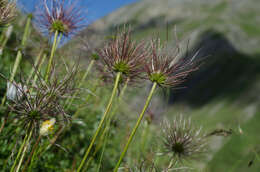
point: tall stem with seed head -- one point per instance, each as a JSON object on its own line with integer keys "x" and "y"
{"x": 107, "y": 127}
{"x": 102, "y": 121}
{"x": 148, "y": 100}
{"x": 54, "y": 46}
{"x": 19, "y": 53}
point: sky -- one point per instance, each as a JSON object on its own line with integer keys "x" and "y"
{"x": 95, "y": 8}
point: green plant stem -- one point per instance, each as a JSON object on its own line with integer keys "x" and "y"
{"x": 58, "y": 42}
{"x": 39, "y": 68}
{"x": 171, "y": 164}
{"x": 3, "y": 123}
{"x": 103, "y": 149}
{"x": 23, "y": 43}
{"x": 257, "y": 156}
{"x": 70, "y": 100}
{"x": 5, "y": 37}
{"x": 107, "y": 127}
{"x": 120, "y": 98}
{"x": 24, "y": 151}
{"x": 19, "y": 153}
{"x": 144, "y": 137}
{"x": 32, "y": 153}
{"x": 54, "y": 46}
{"x": 136, "y": 126}
{"x": 26, "y": 138}
{"x": 33, "y": 159}
{"x": 99, "y": 145}
{"x": 102, "y": 121}
{"x": 35, "y": 66}
{"x": 2, "y": 34}
{"x": 19, "y": 53}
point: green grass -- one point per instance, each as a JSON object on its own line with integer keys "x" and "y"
{"x": 236, "y": 154}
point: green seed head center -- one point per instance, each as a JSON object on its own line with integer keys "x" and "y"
{"x": 59, "y": 26}
{"x": 34, "y": 114}
{"x": 159, "y": 78}
{"x": 121, "y": 67}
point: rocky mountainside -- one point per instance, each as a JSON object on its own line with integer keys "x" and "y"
{"x": 238, "y": 20}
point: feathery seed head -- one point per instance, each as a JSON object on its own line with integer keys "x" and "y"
{"x": 43, "y": 100}
{"x": 166, "y": 70}
{"x": 7, "y": 12}
{"x": 59, "y": 16}
{"x": 182, "y": 140}
{"x": 121, "y": 54}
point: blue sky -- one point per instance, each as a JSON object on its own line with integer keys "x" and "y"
{"x": 95, "y": 8}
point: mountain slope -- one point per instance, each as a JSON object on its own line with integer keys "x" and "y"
{"x": 237, "y": 19}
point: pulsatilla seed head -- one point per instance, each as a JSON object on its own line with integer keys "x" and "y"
{"x": 43, "y": 101}
{"x": 182, "y": 140}
{"x": 59, "y": 16}
{"x": 7, "y": 12}
{"x": 121, "y": 54}
{"x": 167, "y": 70}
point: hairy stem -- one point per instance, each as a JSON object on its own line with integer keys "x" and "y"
{"x": 102, "y": 121}
{"x": 148, "y": 100}
{"x": 54, "y": 46}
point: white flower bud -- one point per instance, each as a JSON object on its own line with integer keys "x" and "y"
{"x": 11, "y": 93}
{"x": 15, "y": 92}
